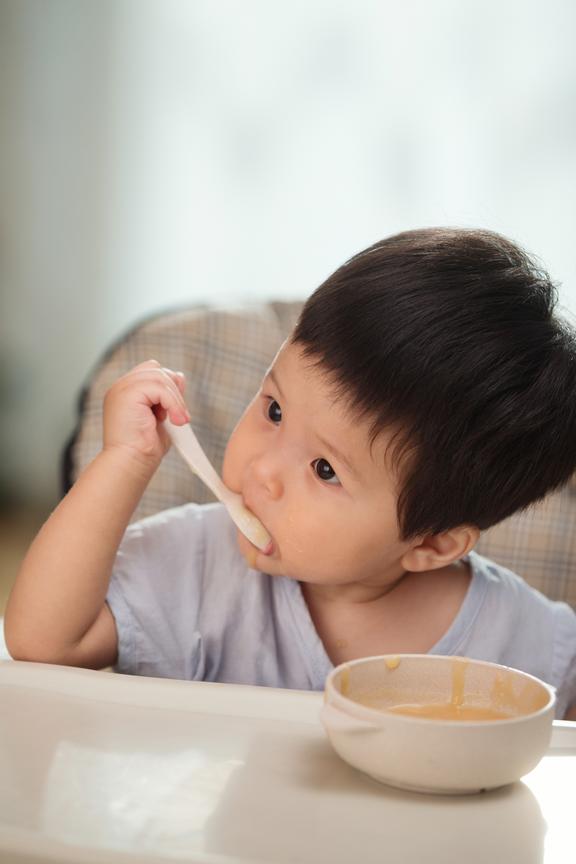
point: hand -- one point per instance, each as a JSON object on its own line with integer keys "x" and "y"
{"x": 136, "y": 405}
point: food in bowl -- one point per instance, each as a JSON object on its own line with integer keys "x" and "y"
{"x": 438, "y": 724}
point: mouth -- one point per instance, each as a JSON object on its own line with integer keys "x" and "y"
{"x": 252, "y": 552}
{"x": 269, "y": 549}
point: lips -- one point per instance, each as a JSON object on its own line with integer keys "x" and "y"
{"x": 269, "y": 549}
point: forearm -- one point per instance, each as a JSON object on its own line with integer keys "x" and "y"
{"x": 63, "y": 580}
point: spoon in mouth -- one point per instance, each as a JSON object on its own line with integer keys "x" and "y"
{"x": 189, "y": 448}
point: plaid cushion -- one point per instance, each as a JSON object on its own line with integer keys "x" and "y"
{"x": 540, "y": 544}
{"x": 224, "y": 354}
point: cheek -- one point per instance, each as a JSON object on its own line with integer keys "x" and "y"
{"x": 310, "y": 535}
{"x": 232, "y": 465}
{"x": 241, "y": 446}
{"x": 340, "y": 540}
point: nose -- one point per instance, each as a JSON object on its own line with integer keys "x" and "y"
{"x": 267, "y": 474}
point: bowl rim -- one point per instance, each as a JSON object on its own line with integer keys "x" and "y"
{"x": 377, "y": 717}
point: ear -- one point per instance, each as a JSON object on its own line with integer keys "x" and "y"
{"x": 438, "y": 550}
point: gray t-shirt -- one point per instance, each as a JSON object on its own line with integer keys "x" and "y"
{"x": 187, "y": 605}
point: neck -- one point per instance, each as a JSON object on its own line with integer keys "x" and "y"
{"x": 351, "y": 594}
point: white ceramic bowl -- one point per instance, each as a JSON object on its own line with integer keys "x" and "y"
{"x": 432, "y": 755}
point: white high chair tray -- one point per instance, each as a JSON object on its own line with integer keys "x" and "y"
{"x": 98, "y": 767}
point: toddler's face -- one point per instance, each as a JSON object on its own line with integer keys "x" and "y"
{"x": 304, "y": 468}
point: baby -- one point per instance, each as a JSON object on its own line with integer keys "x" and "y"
{"x": 427, "y": 392}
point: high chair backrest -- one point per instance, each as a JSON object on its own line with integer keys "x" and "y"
{"x": 224, "y": 352}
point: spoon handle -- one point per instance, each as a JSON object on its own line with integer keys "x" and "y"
{"x": 188, "y": 446}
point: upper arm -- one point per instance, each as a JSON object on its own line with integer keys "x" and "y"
{"x": 98, "y": 648}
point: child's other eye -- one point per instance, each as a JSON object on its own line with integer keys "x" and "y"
{"x": 325, "y": 472}
{"x": 274, "y": 411}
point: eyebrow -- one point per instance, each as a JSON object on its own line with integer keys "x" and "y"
{"x": 275, "y": 380}
{"x": 330, "y": 447}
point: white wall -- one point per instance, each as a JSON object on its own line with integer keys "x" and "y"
{"x": 166, "y": 151}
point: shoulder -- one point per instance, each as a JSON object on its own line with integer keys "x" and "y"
{"x": 510, "y": 597}
{"x": 504, "y": 584}
{"x": 175, "y": 586}
{"x": 521, "y": 626}
{"x": 197, "y": 536}
{"x": 186, "y": 523}
{"x": 184, "y": 515}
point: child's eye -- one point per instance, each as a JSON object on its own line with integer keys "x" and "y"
{"x": 274, "y": 411}
{"x": 325, "y": 472}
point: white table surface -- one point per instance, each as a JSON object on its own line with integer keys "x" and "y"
{"x": 99, "y": 767}
{"x": 4, "y": 655}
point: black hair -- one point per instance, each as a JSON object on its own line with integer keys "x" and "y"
{"x": 448, "y": 336}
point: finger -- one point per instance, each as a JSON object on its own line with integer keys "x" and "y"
{"x": 155, "y": 378}
{"x": 178, "y": 377}
{"x": 159, "y": 413}
{"x": 171, "y": 378}
{"x": 181, "y": 381}
{"x": 167, "y": 402}
{"x": 137, "y": 370}
{"x": 147, "y": 364}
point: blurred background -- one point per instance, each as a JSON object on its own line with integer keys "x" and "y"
{"x": 161, "y": 152}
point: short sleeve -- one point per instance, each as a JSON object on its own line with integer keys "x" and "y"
{"x": 504, "y": 620}
{"x": 155, "y": 595}
{"x": 564, "y": 659}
